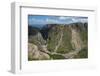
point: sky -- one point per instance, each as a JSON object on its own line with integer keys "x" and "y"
{"x": 41, "y": 20}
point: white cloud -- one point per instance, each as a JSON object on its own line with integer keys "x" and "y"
{"x": 79, "y": 20}
{"x": 83, "y": 20}
{"x": 62, "y": 18}
{"x": 74, "y": 20}
{"x": 51, "y": 20}
{"x": 36, "y": 21}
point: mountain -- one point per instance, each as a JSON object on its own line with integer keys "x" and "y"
{"x": 59, "y": 41}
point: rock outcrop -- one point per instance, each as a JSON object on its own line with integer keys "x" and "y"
{"x": 35, "y": 54}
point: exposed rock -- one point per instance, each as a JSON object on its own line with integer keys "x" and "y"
{"x": 76, "y": 40}
{"x": 34, "y": 53}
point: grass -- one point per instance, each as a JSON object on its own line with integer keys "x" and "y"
{"x": 55, "y": 56}
{"x": 66, "y": 45}
{"x": 52, "y": 42}
{"x": 84, "y": 36}
{"x": 82, "y": 54}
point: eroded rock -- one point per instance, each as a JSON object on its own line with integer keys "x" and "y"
{"x": 34, "y": 53}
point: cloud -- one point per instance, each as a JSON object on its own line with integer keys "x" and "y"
{"x": 73, "y": 19}
{"x": 62, "y": 18}
{"x": 78, "y": 19}
{"x": 83, "y": 20}
{"x": 36, "y": 21}
{"x": 56, "y": 20}
{"x": 48, "y": 20}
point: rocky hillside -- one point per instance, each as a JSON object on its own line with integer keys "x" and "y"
{"x": 58, "y": 41}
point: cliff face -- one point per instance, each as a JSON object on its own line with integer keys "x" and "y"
{"x": 59, "y": 41}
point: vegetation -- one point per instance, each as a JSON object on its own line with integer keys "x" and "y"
{"x": 56, "y": 56}
{"x": 82, "y": 54}
{"x": 57, "y": 39}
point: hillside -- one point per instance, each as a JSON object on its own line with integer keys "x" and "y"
{"x": 58, "y": 41}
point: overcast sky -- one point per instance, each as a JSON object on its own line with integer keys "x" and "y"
{"x": 43, "y": 19}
